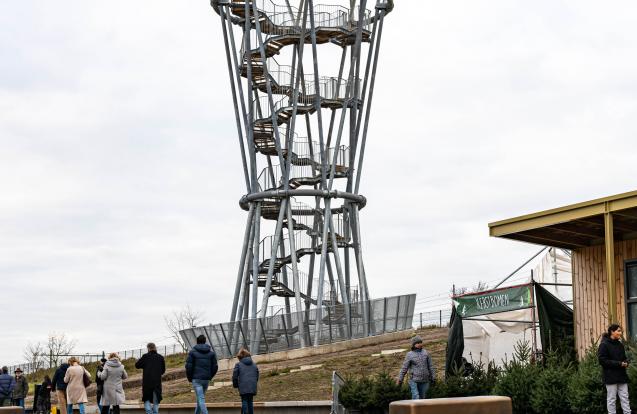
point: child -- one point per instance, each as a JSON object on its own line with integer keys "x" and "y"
{"x": 43, "y": 399}
{"x": 245, "y": 377}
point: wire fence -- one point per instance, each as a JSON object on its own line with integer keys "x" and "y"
{"x": 47, "y": 361}
{"x": 439, "y": 318}
{"x": 298, "y": 329}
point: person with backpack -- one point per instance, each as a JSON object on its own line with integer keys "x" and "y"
{"x": 21, "y": 389}
{"x": 59, "y": 386}
{"x": 7, "y": 384}
{"x": 612, "y": 358}
{"x": 419, "y": 362}
{"x": 77, "y": 379}
{"x": 245, "y": 377}
{"x": 201, "y": 367}
{"x": 154, "y": 367}
{"x": 113, "y": 394}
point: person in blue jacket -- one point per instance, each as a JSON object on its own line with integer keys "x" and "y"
{"x": 7, "y": 384}
{"x": 201, "y": 367}
{"x": 245, "y": 377}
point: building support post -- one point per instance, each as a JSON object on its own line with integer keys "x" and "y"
{"x": 610, "y": 265}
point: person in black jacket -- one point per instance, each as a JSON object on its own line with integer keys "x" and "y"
{"x": 201, "y": 367}
{"x": 245, "y": 377}
{"x": 99, "y": 384}
{"x": 154, "y": 367}
{"x": 43, "y": 397}
{"x": 612, "y": 358}
{"x": 59, "y": 386}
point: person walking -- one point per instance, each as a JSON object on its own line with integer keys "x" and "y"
{"x": 245, "y": 377}
{"x": 419, "y": 362}
{"x": 113, "y": 394}
{"x": 201, "y": 367}
{"x": 7, "y": 384}
{"x": 99, "y": 383}
{"x": 59, "y": 386}
{"x": 77, "y": 379}
{"x": 43, "y": 398}
{"x": 21, "y": 389}
{"x": 153, "y": 366}
{"x": 612, "y": 358}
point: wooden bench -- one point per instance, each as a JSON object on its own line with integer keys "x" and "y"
{"x": 464, "y": 405}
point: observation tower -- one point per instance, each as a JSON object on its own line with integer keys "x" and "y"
{"x": 302, "y": 79}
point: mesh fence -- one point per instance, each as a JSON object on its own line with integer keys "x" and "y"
{"x": 294, "y": 330}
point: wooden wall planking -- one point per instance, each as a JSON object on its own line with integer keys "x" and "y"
{"x": 590, "y": 283}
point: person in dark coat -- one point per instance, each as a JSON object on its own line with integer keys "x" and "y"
{"x": 245, "y": 377}
{"x": 154, "y": 367}
{"x": 201, "y": 367}
{"x": 612, "y": 358}
{"x": 99, "y": 383}
{"x": 59, "y": 386}
{"x": 7, "y": 384}
{"x": 43, "y": 398}
{"x": 21, "y": 389}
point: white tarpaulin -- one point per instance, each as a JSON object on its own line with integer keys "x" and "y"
{"x": 493, "y": 340}
{"x": 493, "y": 337}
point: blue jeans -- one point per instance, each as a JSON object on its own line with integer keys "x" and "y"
{"x": 418, "y": 390}
{"x": 246, "y": 404}
{"x": 18, "y": 402}
{"x": 69, "y": 408}
{"x": 152, "y": 408}
{"x": 200, "y": 386}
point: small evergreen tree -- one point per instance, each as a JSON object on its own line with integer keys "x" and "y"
{"x": 551, "y": 386}
{"x": 518, "y": 378}
{"x": 586, "y": 392}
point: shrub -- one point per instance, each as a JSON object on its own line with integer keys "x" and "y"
{"x": 463, "y": 382}
{"x": 518, "y": 378}
{"x": 356, "y": 394}
{"x": 586, "y": 392}
{"x": 386, "y": 390}
{"x": 372, "y": 393}
{"x": 551, "y": 386}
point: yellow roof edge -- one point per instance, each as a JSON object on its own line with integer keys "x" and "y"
{"x": 566, "y": 213}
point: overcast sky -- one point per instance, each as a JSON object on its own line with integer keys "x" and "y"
{"x": 120, "y": 171}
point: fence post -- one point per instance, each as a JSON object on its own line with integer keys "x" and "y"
{"x": 385, "y": 315}
{"x": 329, "y": 322}
{"x": 124, "y": 354}
{"x": 441, "y": 318}
{"x": 420, "y": 320}
{"x": 265, "y": 338}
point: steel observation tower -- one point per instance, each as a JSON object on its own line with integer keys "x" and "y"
{"x": 302, "y": 78}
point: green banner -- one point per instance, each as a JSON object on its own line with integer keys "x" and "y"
{"x": 502, "y": 300}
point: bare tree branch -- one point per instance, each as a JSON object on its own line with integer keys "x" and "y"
{"x": 35, "y": 355}
{"x": 182, "y": 319}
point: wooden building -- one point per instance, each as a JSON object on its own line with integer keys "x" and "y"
{"x": 602, "y": 236}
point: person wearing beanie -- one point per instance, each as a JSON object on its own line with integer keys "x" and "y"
{"x": 418, "y": 362}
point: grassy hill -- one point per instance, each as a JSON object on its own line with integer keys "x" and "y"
{"x": 280, "y": 381}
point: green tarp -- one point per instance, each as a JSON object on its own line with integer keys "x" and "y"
{"x": 557, "y": 330}
{"x": 455, "y": 343}
{"x": 495, "y": 301}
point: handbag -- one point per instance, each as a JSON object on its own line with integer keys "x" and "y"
{"x": 86, "y": 379}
